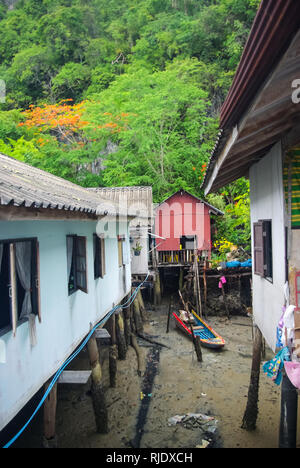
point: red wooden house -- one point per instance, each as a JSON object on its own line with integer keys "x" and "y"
{"x": 183, "y": 225}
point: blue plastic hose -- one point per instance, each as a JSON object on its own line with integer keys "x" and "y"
{"x": 67, "y": 362}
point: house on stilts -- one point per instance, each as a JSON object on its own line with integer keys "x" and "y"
{"x": 183, "y": 226}
{"x": 260, "y": 139}
{"x": 64, "y": 266}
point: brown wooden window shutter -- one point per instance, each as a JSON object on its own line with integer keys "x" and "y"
{"x": 258, "y": 248}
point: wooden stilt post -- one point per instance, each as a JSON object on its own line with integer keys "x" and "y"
{"x": 121, "y": 342}
{"x": 181, "y": 279}
{"x": 113, "y": 351}
{"x": 288, "y": 417}
{"x": 169, "y": 313}
{"x": 98, "y": 394}
{"x": 50, "y": 438}
{"x": 137, "y": 316}
{"x": 225, "y": 301}
{"x": 250, "y": 416}
{"x": 205, "y": 287}
{"x": 141, "y": 305}
{"x": 140, "y": 361}
{"x": 157, "y": 289}
{"x": 127, "y": 323}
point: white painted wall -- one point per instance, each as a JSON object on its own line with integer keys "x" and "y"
{"x": 65, "y": 319}
{"x": 139, "y": 264}
{"x": 267, "y": 203}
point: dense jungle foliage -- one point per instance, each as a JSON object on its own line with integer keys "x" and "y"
{"x": 110, "y": 92}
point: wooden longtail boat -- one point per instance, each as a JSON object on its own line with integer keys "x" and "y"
{"x": 208, "y": 337}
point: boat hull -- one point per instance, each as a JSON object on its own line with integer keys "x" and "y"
{"x": 208, "y": 337}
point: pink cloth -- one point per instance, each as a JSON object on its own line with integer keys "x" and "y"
{"x": 222, "y": 281}
{"x": 292, "y": 370}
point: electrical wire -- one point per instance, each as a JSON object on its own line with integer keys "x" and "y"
{"x": 67, "y": 362}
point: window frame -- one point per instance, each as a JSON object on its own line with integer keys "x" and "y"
{"x": 15, "y": 322}
{"x": 74, "y": 266}
{"x": 99, "y": 257}
{"x": 121, "y": 240}
{"x": 263, "y": 249}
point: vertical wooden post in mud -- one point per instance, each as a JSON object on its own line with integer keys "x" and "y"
{"x": 50, "y": 439}
{"x": 141, "y": 305}
{"x": 127, "y": 322}
{"x": 251, "y": 413}
{"x": 121, "y": 342}
{"x": 157, "y": 289}
{"x": 98, "y": 394}
{"x": 181, "y": 273}
{"x": 169, "y": 313}
{"x": 137, "y": 316}
{"x": 205, "y": 287}
{"x": 197, "y": 292}
{"x": 113, "y": 351}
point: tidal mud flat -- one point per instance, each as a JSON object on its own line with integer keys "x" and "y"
{"x": 209, "y": 397}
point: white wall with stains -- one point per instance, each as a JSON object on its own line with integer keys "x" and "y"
{"x": 267, "y": 203}
{"x": 65, "y": 319}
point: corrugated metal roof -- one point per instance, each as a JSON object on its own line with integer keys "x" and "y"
{"x": 273, "y": 29}
{"x": 27, "y": 186}
{"x": 215, "y": 210}
{"x": 272, "y": 36}
{"x": 135, "y": 198}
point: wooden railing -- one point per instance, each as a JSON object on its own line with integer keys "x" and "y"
{"x": 175, "y": 257}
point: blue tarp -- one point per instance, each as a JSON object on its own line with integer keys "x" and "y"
{"x": 247, "y": 264}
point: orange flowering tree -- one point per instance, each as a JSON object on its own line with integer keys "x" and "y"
{"x": 67, "y": 122}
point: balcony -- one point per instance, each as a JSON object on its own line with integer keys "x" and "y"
{"x": 176, "y": 257}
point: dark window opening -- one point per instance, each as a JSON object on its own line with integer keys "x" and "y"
{"x": 5, "y": 320}
{"x": 77, "y": 264}
{"x": 267, "y": 246}
{"x": 263, "y": 252}
{"x": 19, "y": 273}
{"x": 99, "y": 257}
{"x": 188, "y": 242}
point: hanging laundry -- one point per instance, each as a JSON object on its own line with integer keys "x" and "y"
{"x": 279, "y": 331}
{"x": 273, "y": 368}
{"x": 293, "y": 372}
{"x": 289, "y": 325}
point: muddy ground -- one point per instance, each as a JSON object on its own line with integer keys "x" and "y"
{"x": 218, "y": 388}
